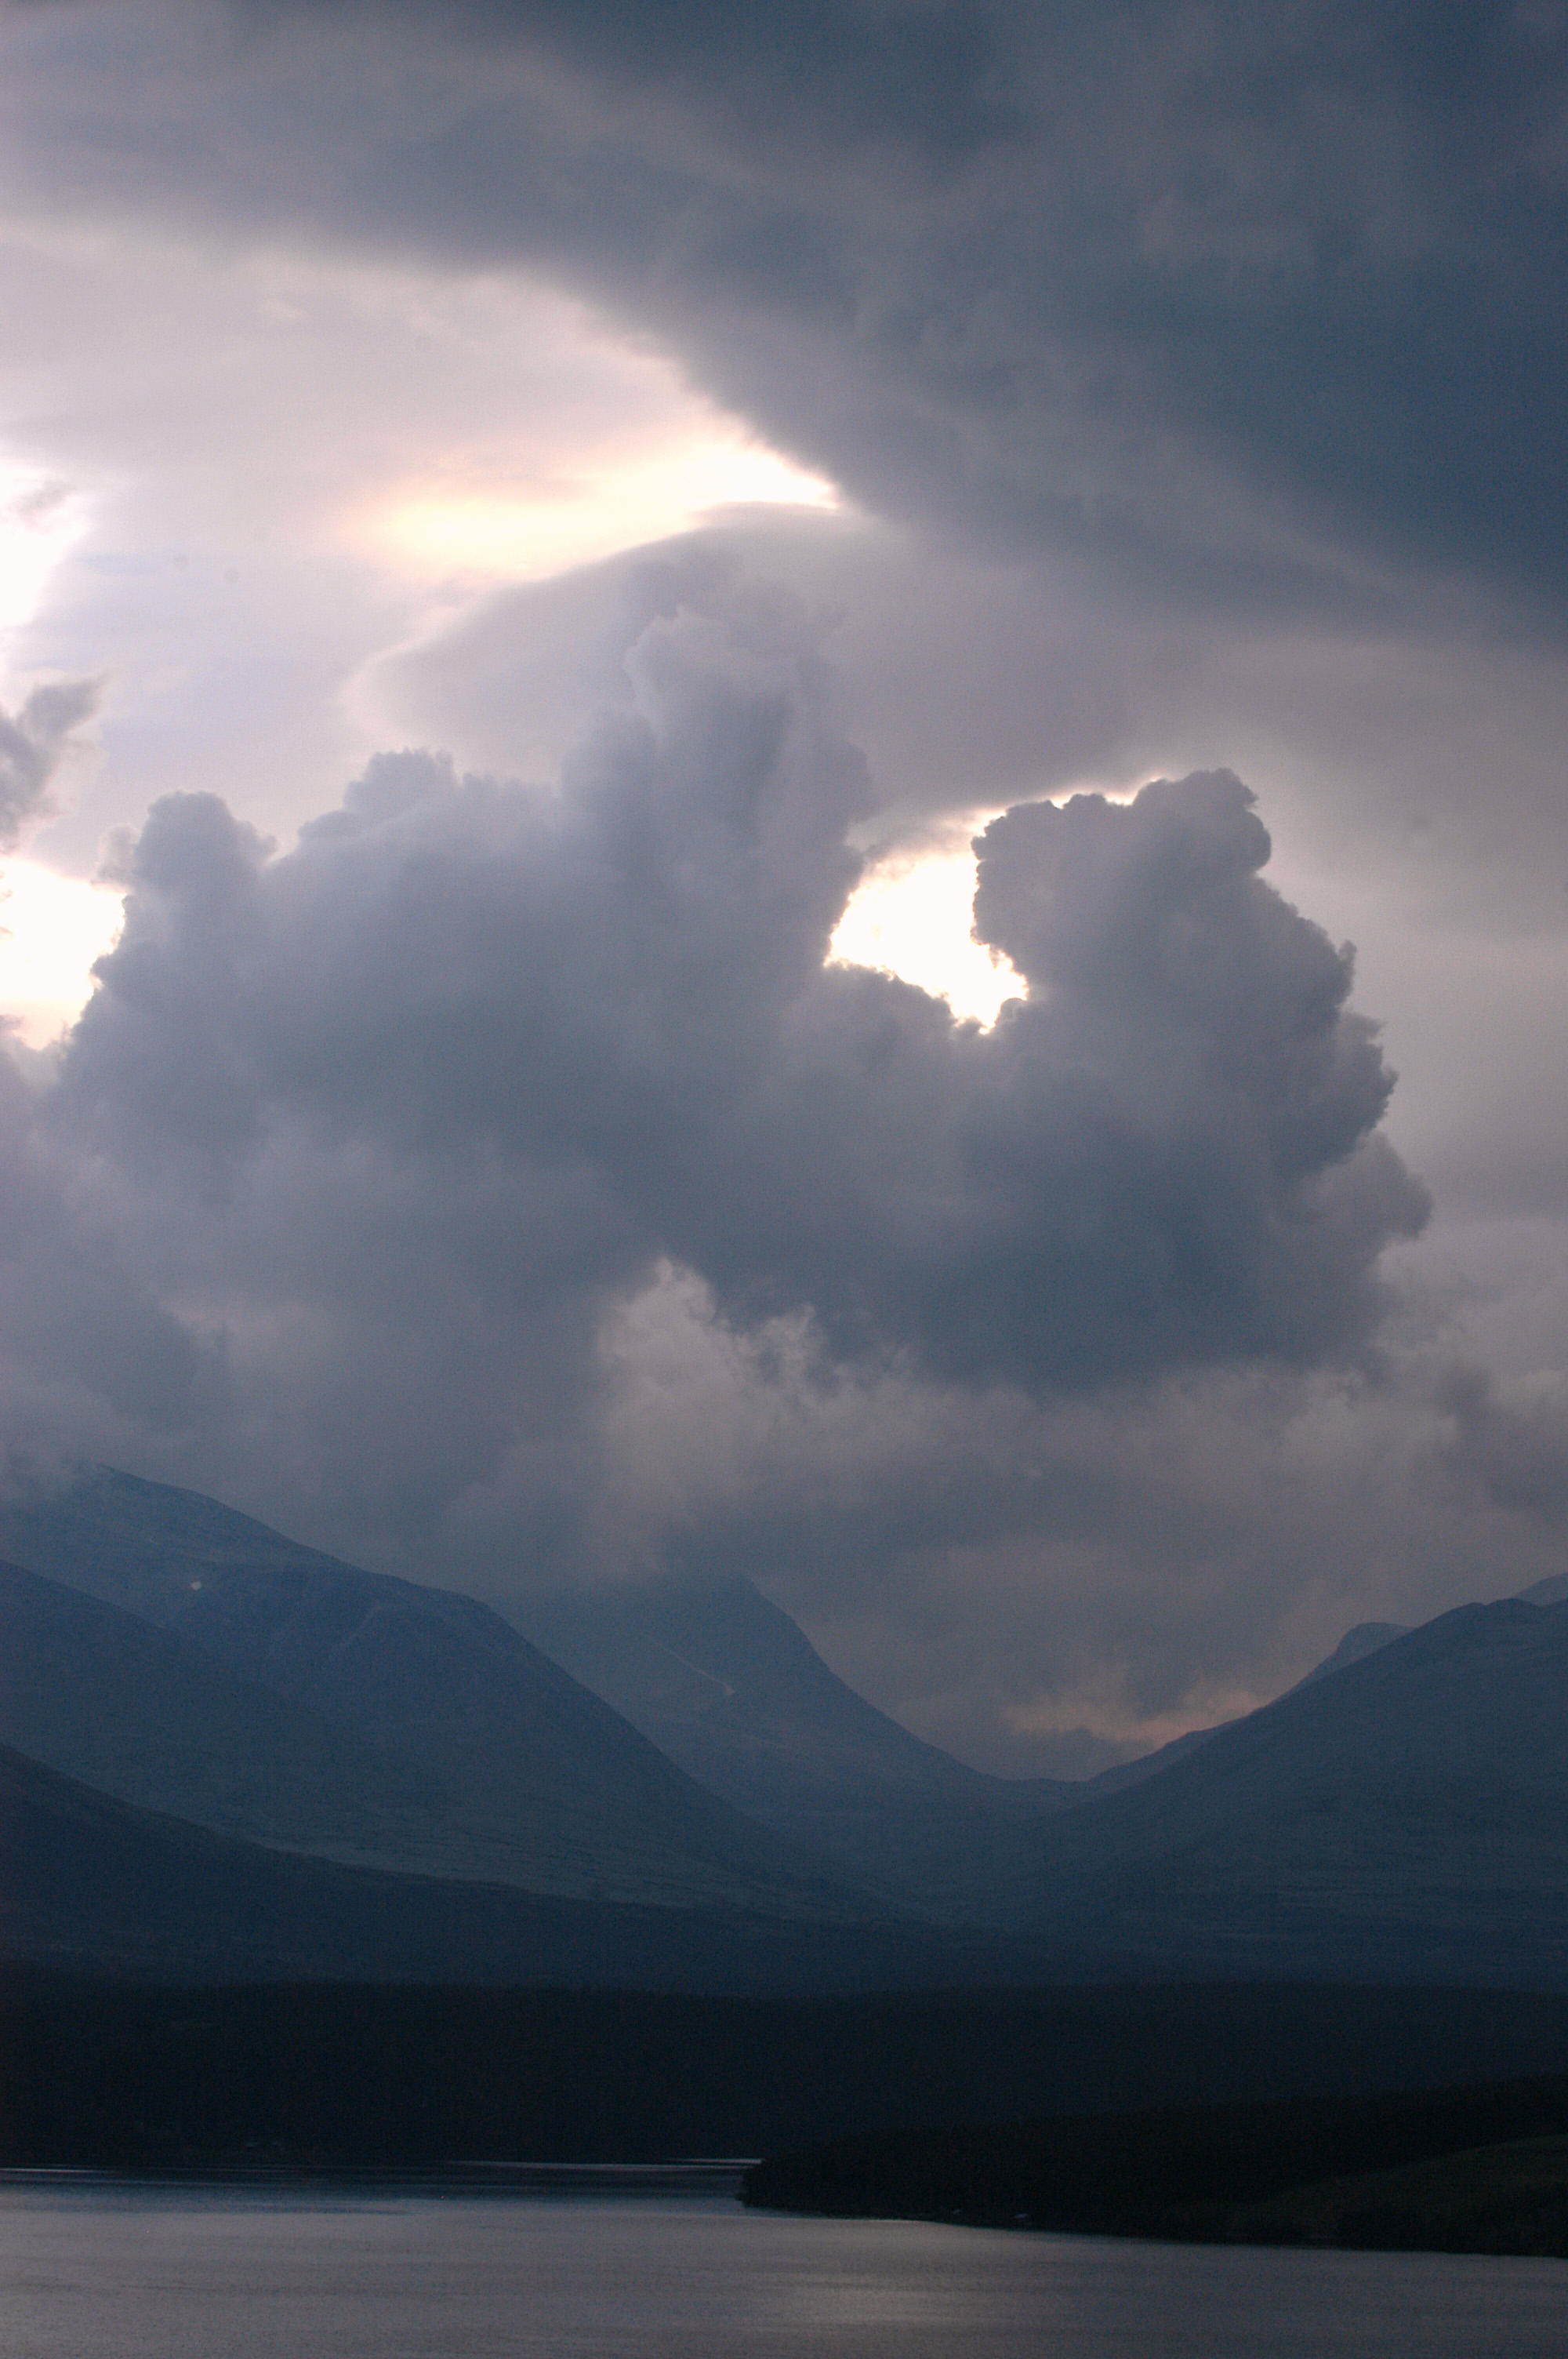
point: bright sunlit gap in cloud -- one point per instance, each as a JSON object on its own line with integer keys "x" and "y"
{"x": 912, "y": 918}
{"x": 40, "y": 519}
{"x": 52, "y": 927}
{"x": 51, "y": 930}
{"x": 612, "y": 502}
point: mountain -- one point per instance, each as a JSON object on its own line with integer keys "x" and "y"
{"x": 1364, "y": 1638}
{"x": 470, "y": 1751}
{"x": 726, "y": 1684}
{"x": 92, "y": 1886}
{"x": 151, "y": 1719}
{"x": 1405, "y": 1817}
{"x": 1403, "y": 1814}
{"x": 1147, "y": 1765}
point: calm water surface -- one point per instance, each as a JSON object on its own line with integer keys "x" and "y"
{"x": 117, "y": 2274}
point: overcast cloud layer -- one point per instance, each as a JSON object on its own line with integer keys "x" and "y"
{"x": 494, "y": 1180}
{"x": 1253, "y": 297}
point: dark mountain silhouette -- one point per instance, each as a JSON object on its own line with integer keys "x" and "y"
{"x": 1405, "y": 1816}
{"x": 1364, "y": 1638}
{"x": 151, "y": 1719}
{"x": 458, "y": 1747}
{"x": 722, "y": 1680}
{"x": 92, "y": 1887}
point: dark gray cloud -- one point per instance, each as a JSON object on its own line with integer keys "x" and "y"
{"x": 496, "y": 1183}
{"x": 1253, "y": 305}
{"x": 32, "y": 746}
{"x": 499, "y": 1182}
{"x": 616, "y": 1001}
{"x": 1235, "y": 300}
{"x": 1006, "y": 1575}
{"x": 1510, "y": 1439}
{"x": 930, "y": 76}
{"x": 93, "y": 1357}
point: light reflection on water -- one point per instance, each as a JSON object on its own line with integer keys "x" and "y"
{"x": 117, "y": 2273}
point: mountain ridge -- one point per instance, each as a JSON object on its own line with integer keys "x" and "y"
{"x": 96, "y": 1888}
{"x": 725, "y": 1683}
{"x": 1400, "y": 1815}
{"x": 438, "y": 1682}
{"x": 1406, "y": 1817}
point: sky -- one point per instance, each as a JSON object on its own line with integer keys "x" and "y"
{"x": 782, "y": 791}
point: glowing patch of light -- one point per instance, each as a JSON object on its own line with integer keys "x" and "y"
{"x": 618, "y": 505}
{"x": 51, "y": 930}
{"x": 910, "y": 918}
{"x": 39, "y": 522}
{"x": 1104, "y": 1708}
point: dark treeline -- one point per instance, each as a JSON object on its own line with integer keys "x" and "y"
{"x": 1470, "y": 2170}
{"x": 388, "y": 2077}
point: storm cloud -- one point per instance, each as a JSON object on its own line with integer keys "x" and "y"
{"x": 609, "y": 1014}
{"x": 499, "y": 1182}
{"x": 1247, "y": 304}
{"x": 387, "y": 1172}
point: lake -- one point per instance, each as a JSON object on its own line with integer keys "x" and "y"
{"x": 106, "y": 2271}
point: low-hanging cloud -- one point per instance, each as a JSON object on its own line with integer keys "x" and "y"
{"x": 501, "y": 1184}
{"x": 388, "y": 1127}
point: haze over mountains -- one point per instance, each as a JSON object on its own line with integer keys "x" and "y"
{"x": 1405, "y": 1809}
{"x": 723, "y": 1681}
{"x": 1405, "y": 1816}
{"x": 231, "y": 1754}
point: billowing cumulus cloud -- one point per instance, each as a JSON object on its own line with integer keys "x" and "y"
{"x": 612, "y": 1006}
{"x": 94, "y": 1359}
{"x": 410, "y": 1155}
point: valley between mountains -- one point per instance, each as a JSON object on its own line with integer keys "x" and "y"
{"x": 229, "y": 1754}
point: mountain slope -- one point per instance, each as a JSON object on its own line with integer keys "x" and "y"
{"x": 144, "y": 1715}
{"x": 562, "y": 1795}
{"x": 91, "y": 1886}
{"x": 1407, "y": 1815}
{"x": 1403, "y": 1815}
{"x": 1364, "y": 1638}
{"x": 724, "y": 1682}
